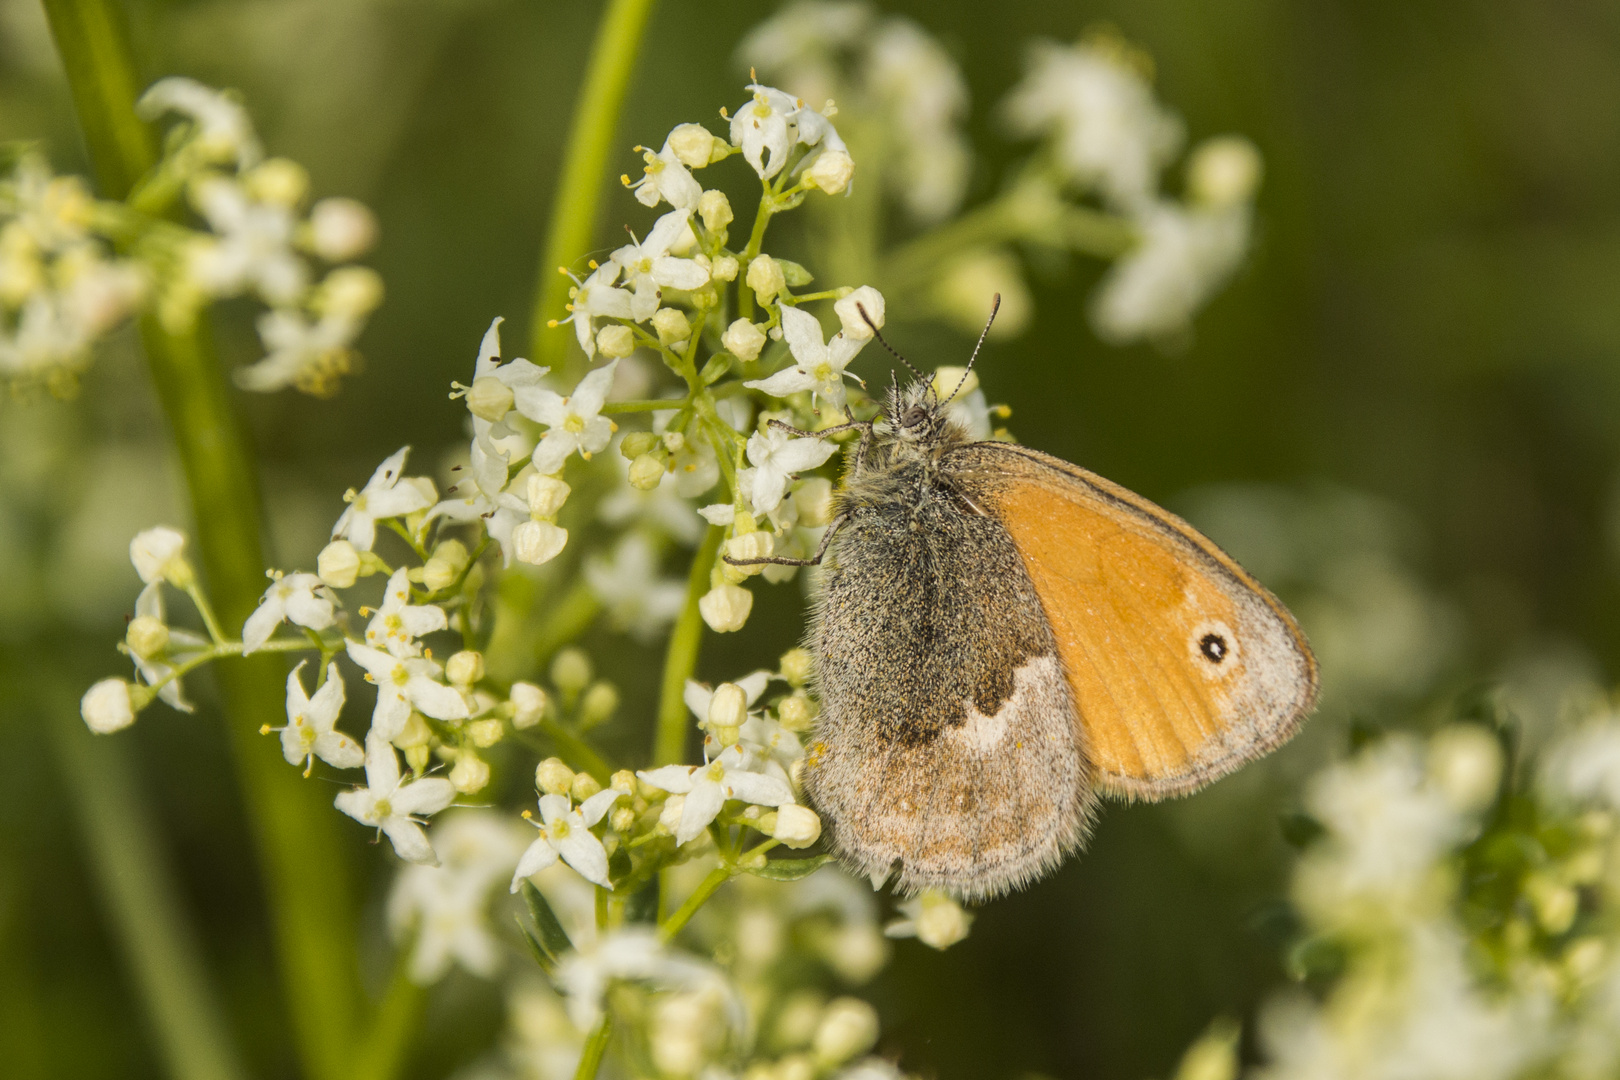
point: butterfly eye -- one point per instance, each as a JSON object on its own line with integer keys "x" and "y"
{"x": 914, "y": 416}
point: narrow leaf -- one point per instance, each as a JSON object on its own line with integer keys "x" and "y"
{"x": 552, "y": 935}
{"x": 789, "y": 869}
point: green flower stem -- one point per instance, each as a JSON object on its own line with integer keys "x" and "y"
{"x": 642, "y": 406}
{"x": 579, "y": 187}
{"x": 304, "y": 864}
{"x": 680, "y": 659}
{"x": 576, "y": 751}
{"x": 595, "y": 1046}
{"x": 142, "y": 901}
{"x": 700, "y": 896}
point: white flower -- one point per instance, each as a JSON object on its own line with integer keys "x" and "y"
{"x": 820, "y": 366}
{"x": 383, "y": 497}
{"x": 699, "y": 697}
{"x": 932, "y": 918}
{"x": 223, "y": 127}
{"x": 300, "y": 352}
{"x": 158, "y": 554}
{"x": 777, "y": 457}
{"x": 707, "y": 787}
{"x": 1107, "y": 130}
{"x": 924, "y": 99}
{"x": 597, "y": 297}
{"x": 848, "y": 1027}
{"x": 404, "y": 684}
{"x": 300, "y": 598}
{"x": 398, "y": 623}
{"x": 393, "y": 805}
{"x": 252, "y": 248}
{"x": 106, "y": 707}
{"x": 665, "y": 178}
{"x": 446, "y": 904}
{"x": 574, "y": 423}
{"x": 1183, "y": 258}
{"x": 648, "y": 265}
{"x": 636, "y": 598}
{"x": 635, "y": 953}
{"x": 764, "y": 130}
{"x": 799, "y": 38}
{"x": 849, "y": 314}
{"x": 565, "y": 833}
{"x": 1584, "y": 765}
{"x": 309, "y": 733}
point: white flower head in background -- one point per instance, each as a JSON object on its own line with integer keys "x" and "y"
{"x": 447, "y": 905}
{"x": 252, "y": 248}
{"x": 403, "y": 684}
{"x": 1182, "y": 259}
{"x": 575, "y": 424}
{"x": 636, "y": 954}
{"x": 819, "y": 365}
{"x": 302, "y": 352}
{"x": 297, "y": 598}
{"x": 382, "y": 498}
{"x": 394, "y": 805}
{"x": 565, "y": 833}
{"x": 1107, "y": 130}
{"x": 310, "y": 733}
{"x": 398, "y": 622}
{"x": 628, "y": 584}
{"x": 923, "y": 98}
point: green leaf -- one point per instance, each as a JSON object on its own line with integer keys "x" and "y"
{"x": 717, "y": 366}
{"x": 1299, "y": 828}
{"x": 788, "y": 869}
{"x": 552, "y": 936}
{"x": 547, "y": 962}
{"x": 794, "y": 274}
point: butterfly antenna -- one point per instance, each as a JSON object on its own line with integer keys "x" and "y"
{"x": 995, "y": 306}
{"x": 881, "y": 341}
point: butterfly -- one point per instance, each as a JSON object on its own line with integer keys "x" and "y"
{"x": 1002, "y": 637}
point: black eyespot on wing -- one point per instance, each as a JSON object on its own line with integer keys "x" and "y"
{"x": 1213, "y": 647}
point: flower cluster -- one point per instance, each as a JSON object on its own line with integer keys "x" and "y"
{"x": 62, "y": 287}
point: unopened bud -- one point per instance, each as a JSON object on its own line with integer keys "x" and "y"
{"x": 855, "y": 326}
{"x": 489, "y": 399}
{"x": 584, "y": 786}
{"x": 486, "y": 733}
{"x": 622, "y": 819}
{"x": 415, "y": 732}
{"x": 715, "y": 210}
{"x": 848, "y": 1028}
{"x": 669, "y": 819}
{"x": 418, "y": 757}
{"x": 616, "y": 342}
{"x": 536, "y": 542}
{"x": 528, "y": 705}
{"x": 464, "y": 668}
{"x": 693, "y": 144}
{"x": 470, "y": 773}
{"x": 338, "y": 564}
{"x": 753, "y": 545}
{"x": 1223, "y": 171}
{"x": 571, "y": 672}
{"x": 765, "y": 277}
{"x": 728, "y": 706}
{"x": 725, "y": 607}
{"x": 445, "y": 567}
{"x": 624, "y": 780}
{"x": 647, "y": 472}
{"x": 796, "y": 666}
{"x": 794, "y": 713}
{"x": 796, "y": 826}
{"x": 159, "y": 554}
{"x": 341, "y": 229}
{"x": 724, "y": 268}
{"x": 278, "y": 180}
{"x": 553, "y": 777}
{"x": 107, "y": 706}
{"x": 830, "y": 171}
{"x": 546, "y": 495}
{"x": 636, "y": 443}
{"x": 672, "y": 326}
{"x": 146, "y": 636}
{"x": 600, "y": 702}
{"x": 350, "y": 291}
{"x": 743, "y": 340}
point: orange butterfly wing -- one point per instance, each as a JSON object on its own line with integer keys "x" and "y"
{"x": 1183, "y": 667}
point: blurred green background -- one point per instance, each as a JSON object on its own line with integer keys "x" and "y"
{"x": 1402, "y": 414}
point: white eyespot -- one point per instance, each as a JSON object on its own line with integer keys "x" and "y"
{"x": 1214, "y": 648}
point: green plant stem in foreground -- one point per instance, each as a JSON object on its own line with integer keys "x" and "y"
{"x": 680, "y": 658}
{"x": 142, "y": 900}
{"x": 579, "y": 186}
{"x": 590, "y": 1061}
{"x": 305, "y": 871}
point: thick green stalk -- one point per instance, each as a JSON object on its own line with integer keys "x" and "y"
{"x": 142, "y": 901}
{"x": 382, "y": 1053}
{"x": 680, "y": 659}
{"x": 590, "y": 1062}
{"x": 306, "y": 877}
{"x": 579, "y": 187}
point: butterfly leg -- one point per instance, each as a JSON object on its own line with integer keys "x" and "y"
{"x": 775, "y": 560}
